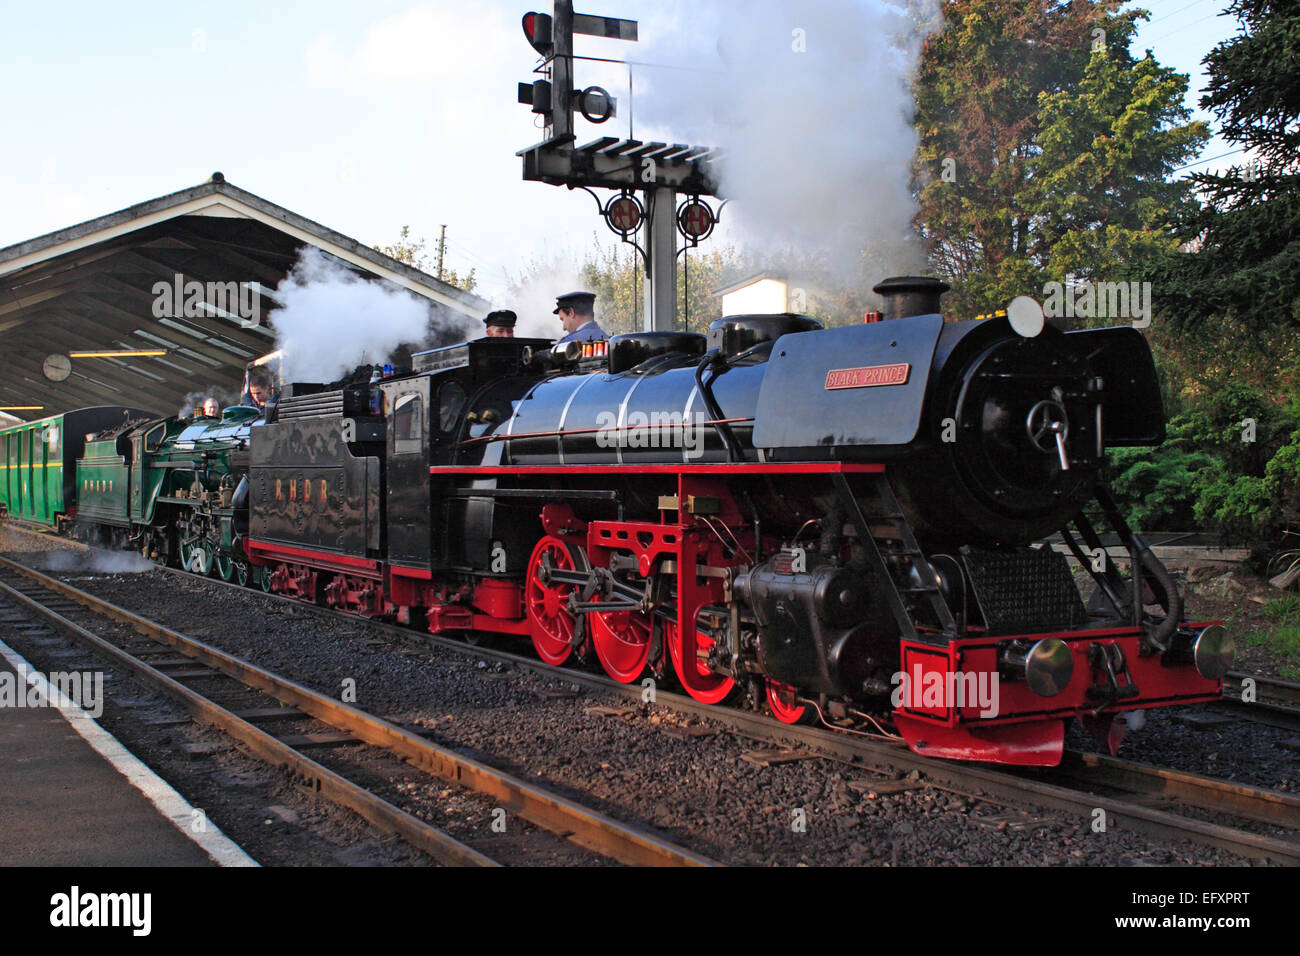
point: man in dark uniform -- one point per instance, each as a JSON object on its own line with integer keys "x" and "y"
{"x": 259, "y": 389}
{"x": 578, "y": 316}
{"x": 500, "y": 324}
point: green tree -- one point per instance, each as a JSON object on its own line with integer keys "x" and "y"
{"x": 1240, "y": 275}
{"x": 617, "y": 275}
{"x": 614, "y": 273}
{"x": 412, "y": 251}
{"x": 1098, "y": 187}
{"x": 1044, "y": 146}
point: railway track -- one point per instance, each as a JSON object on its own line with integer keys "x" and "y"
{"x": 1157, "y": 801}
{"x": 176, "y": 665}
{"x": 1275, "y": 702}
{"x": 1152, "y": 800}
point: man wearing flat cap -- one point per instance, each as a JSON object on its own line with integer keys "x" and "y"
{"x": 500, "y": 324}
{"x": 578, "y": 316}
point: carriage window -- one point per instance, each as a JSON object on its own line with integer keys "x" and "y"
{"x": 52, "y": 437}
{"x": 408, "y": 425}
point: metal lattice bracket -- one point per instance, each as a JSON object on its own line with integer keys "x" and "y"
{"x": 612, "y": 163}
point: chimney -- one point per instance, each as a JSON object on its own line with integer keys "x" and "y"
{"x": 910, "y": 295}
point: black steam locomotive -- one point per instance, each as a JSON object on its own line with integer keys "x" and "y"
{"x": 839, "y": 522}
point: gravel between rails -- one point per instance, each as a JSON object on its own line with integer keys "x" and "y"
{"x": 686, "y": 777}
{"x": 261, "y": 809}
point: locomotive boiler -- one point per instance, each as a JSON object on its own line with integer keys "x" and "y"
{"x": 839, "y": 523}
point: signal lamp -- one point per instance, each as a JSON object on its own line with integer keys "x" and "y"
{"x": 537, "y": 95}
{"x": 537, "y": 27}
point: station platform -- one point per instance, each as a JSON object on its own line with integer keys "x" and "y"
{"x": 64, "y": 803}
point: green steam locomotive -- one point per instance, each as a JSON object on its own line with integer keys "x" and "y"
{"x": 128, "y": 478}
{"x": 167, "y": 487}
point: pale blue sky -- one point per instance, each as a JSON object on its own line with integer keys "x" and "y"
{"x": 363, "y": 116}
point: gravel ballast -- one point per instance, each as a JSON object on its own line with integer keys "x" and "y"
{"x": 688, "y": 777}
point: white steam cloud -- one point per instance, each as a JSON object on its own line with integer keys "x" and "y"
{"x": 532, "y": 296}
{"x": 331, "y": 320}
{"x": 812, "y": 104}
{"x": 98, "y": 562}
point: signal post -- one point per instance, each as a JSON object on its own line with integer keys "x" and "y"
{"x": 658, "y": 172}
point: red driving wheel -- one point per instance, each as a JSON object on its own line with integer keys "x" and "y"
{"x": 622, "y": 642}
{"x": 549, "y": 621}
{"x": 700, "y": 682}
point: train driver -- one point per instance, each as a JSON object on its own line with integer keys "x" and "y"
{"x": 578, "y": 316}
{"x": 500, "y": 324}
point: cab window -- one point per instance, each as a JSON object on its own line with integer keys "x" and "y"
{"x": 408, "y": 425}
{"x": 451, "y": 405}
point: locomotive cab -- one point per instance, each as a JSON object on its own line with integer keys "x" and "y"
{"x": 472, "y": 390}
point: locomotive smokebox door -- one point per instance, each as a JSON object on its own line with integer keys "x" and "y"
{"x": 408, "y": 506}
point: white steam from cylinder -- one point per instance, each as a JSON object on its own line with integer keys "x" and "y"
{"x": 97, "y": 561}
{"x": 330, "y": 320}
{"x": 811, "y": 103}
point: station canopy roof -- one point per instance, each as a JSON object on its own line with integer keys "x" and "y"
{"x": 91, "y": 287}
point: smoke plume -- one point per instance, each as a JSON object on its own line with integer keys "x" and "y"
{"x": 331, "y": 319}
{"x": 812, "y": 105}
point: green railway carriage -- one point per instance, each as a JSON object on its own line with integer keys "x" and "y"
{"x": 38, "y": 479}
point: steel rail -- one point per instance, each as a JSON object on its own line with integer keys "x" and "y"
{"x": 585, "y": 827}
{"x": 1273, "y": 807}
{"x": 1276, "y": 701}
{"x": 330, "y": 785}
{"x": 1008, "y": 786}
{"x": 1044, "y": 787}
{"x": 1279, "y": 693}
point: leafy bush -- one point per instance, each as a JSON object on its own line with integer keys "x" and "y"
{"x": 1154, "y": 486}
{"x": 1217, "y": 470}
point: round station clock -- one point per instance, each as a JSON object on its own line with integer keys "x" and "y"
{"x": 57, "y": 367}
